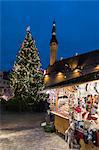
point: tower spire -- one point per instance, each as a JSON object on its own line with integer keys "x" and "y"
{"x": 53, "y": 39}
{"x": 53, "y": 45}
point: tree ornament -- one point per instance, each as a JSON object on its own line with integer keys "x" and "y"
{"x": 28, "y": 29}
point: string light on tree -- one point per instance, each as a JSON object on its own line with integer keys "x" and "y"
{"x": 26, "y": 79}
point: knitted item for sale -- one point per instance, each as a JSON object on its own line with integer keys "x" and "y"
{"x": 78, "y": 109}
{"x": 88, "y": 116}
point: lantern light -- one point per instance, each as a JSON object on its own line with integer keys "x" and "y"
{"x": 46, "y": 75}
{"x": 65, "y": 77}
{"x": 97, "y": 67}
{"x": 59, "y": 73}
{"x": 77, "y": 70}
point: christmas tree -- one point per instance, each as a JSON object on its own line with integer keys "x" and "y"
{"x": 26, "y": 77}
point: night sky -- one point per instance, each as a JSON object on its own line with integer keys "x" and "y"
{"x": 77, "y": 24}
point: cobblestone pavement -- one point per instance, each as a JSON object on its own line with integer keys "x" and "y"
{"x": 23, "y": 132}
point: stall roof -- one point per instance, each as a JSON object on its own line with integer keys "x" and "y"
{"x": 82, "y": 61}
{"x": 76, "y": 69}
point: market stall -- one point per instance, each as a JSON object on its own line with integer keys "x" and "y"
{"x": 73, "y": 87}
{"x": 78, "y": 101}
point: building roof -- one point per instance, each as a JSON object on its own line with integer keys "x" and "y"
{"x": 73, "y": 70}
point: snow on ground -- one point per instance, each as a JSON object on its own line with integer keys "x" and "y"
{"x": 23, "y": 132}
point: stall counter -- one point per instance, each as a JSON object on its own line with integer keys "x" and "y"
{"x": 61, "y": 123}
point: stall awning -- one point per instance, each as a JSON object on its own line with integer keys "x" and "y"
{"x": 82, "y": 79}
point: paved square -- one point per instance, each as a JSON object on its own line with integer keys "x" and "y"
{"x": 23, "y": 132}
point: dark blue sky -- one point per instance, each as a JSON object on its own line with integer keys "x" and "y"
{"x": 77, "y": 25}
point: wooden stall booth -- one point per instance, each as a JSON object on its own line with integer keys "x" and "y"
{"x": 61, "y": 105}
{"x": 62, "y": 80}
{"x": 73, "y": 87}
